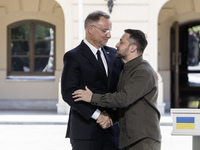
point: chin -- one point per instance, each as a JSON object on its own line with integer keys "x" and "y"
{"x": 105, "y": 42}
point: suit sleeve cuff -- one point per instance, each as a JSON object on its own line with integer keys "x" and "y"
{"x": 96, "y": 114}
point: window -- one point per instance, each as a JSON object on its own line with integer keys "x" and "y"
{"x": 31, "y": 48}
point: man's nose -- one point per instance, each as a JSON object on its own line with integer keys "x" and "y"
{"x": 108, "y": 34}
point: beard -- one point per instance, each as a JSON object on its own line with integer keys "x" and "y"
{"x": 123, "y": 54}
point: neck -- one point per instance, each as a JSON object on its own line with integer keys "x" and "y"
{"x": 92, "y": 42}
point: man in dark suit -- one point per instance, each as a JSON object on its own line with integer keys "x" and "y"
{"x": 81, "y": 67}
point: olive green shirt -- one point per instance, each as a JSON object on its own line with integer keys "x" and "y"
{"x": 136, "y": 98}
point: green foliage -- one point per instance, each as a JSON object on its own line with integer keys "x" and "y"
{"x": 196, "y": 29}
{"x": 20, "y": 32}
{"x": 41, "y": 32}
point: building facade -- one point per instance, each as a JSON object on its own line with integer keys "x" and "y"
{"x": 46, "y": 29}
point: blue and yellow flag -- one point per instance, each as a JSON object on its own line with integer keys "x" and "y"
{"x": 185, "y": 123}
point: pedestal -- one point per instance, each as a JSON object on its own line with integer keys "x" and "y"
{"x": 186, "y": 122}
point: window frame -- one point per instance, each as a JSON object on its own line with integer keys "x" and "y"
{"x": 31, "y": 41}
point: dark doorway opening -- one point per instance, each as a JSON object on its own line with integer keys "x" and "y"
{"x": 187, "y": 92}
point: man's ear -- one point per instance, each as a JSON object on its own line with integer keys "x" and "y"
{"x": 90, "y": 28}
{"x": 133, "y": 48}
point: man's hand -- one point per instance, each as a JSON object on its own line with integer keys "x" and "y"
{"x": 104, "y": 120}
{"x": 82, "y": 95}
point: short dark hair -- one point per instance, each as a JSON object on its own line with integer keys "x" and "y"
{"x": 137, "y": 37}
{"x": 95, "y": 17}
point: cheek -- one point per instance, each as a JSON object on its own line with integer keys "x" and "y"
{"x": 121, "y": 47}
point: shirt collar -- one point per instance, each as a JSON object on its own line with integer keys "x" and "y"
{"x": 134, "y": 62}
{"x": 92, "y": 48}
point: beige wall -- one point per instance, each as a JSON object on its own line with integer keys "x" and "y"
{"x": 13, "y": 11}
{"x": 66, "y": 15}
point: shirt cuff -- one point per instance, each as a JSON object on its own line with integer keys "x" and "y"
{"x": 96, "y": 114}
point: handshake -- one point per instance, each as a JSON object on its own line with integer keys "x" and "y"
{"x": 104, "y": 120}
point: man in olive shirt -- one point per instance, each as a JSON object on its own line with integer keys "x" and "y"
{"x": 136, "y": 96}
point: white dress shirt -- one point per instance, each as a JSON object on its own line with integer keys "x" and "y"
{"x": 94, "y": 51}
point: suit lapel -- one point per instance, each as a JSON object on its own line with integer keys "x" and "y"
{"x": 85, "y": 50}
{"x": 109, "y": 63}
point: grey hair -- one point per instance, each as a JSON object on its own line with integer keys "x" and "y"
{"x": 95, "y": 17}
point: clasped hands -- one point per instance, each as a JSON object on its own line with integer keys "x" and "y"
{"x": 104, "y": 119}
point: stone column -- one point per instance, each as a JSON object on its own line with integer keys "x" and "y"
{"x": 66, "y": 5}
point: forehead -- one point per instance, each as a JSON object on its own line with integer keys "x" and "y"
{"x": 104, "y": 21}
{"x": 125, "y": 37}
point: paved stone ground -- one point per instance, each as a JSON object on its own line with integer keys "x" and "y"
{"x": 46, "y": 131}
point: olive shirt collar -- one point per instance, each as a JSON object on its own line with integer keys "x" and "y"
{"x": 133, "y": 63}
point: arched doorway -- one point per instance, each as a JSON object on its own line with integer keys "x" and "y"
{"x": 185, "y": 66}
{"x": 174, "y": 23}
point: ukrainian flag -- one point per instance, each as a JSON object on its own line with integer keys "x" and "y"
{"x": 185, "y": 122}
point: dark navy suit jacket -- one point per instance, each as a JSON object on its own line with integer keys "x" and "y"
{"x": 82, "y": 69}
